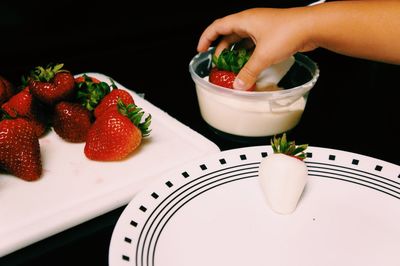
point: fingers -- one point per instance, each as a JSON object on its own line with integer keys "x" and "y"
{"x": 226, "y": 42}
{"x": 247, "y": 76}
{"x": 209, "y": 35}
{"x": 221, "y": 27}
{"x": 232, "y": 29}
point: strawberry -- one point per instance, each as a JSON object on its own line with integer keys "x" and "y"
{"x": 71, "y": 121}
{"x": 23, "y": 104}
{"x": 90, "y": 91}
{"x": 20, "y": 104}
{"x": 111, "y": 99}
{"x": 223, "y": 78}
{"x": 39, "y": 126}
{"x": 226, "y": 67}
{"x": 19, "y": 149}
{"x": 116, "y": 133}
{"x": 283, "y": 175}
{"x": 6, "y": 90}
{"x": 51, "y": 84}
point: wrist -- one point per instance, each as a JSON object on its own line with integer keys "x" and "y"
{"x": 307, "y": 23}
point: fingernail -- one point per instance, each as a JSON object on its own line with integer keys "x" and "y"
{"x": 238, "y": 84}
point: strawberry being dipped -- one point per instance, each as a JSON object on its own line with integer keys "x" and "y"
{"x": 19, "y": 149}
{"x": 283, "y": 175}
{"x": 71, "y": 121}
{"x": 51, "y": 84}
{"x": 117, "y": 133}
{"x": 226, "y": 67}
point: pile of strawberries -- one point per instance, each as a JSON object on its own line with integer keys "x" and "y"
{"x": 79, "y": 110}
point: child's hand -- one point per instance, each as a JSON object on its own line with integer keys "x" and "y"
{"x": 277, "y": 33}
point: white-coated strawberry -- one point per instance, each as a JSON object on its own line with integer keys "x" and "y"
{"x": 283, "y": 175}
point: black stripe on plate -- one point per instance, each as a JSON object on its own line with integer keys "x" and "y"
{"x": 354, "y": 182}
{"x": 322, "y": 165}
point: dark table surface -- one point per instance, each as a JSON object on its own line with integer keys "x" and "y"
{"x": 352, "y": 107}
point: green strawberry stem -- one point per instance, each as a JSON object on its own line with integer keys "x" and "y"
{"x": 231, "y": 59}
{"x": 113, "y": 86}
{"x": 46, "y": 74}
{"x": 91, "y": 93}
{"x": 135, "y": 114}
{"x": 281, "y": 145}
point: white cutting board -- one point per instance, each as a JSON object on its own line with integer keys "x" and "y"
{"x": 74, "y": 189}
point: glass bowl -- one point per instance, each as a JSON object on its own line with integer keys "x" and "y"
{"x": 247, "y": 115}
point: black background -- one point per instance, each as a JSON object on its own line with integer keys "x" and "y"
{"x": 147, "y": 48}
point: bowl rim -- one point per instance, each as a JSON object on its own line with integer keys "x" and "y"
{"x": 301, "y": 89}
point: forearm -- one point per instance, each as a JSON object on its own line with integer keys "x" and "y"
{"x": 366, "y": 29}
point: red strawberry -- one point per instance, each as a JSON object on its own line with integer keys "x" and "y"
{"x": 20, "y": 104}
{"x": 226, "y": 67}
{"x": 71, "y": 121}
{"x": 222, "y": 78}
{"x": 23, "y": 104}
{"x": 6, "y": 90}
{"x": 90, "y": 91}
{"x": 39, "y": 126}
{"x": 116, "y": 133}
{"x": 111, "y": 99}
{"x": 51, "y": 85}
{"x": 19, "y": 149}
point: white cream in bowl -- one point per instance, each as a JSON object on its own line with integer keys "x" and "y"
{"x": 247, "y": 116}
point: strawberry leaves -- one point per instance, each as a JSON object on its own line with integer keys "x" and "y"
{"x": 42, "y": 74}
{"x": 135, "y": 114}
{"x": 281, "y": 145}
{"x": 231, "y": 60}
{"x": 91, "y": 92}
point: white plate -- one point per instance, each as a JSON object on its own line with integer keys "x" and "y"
{"x": 212, "y": 212}
{"x": 74, "y": 189}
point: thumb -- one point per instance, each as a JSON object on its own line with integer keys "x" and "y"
{"x": 247, "y": 76}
